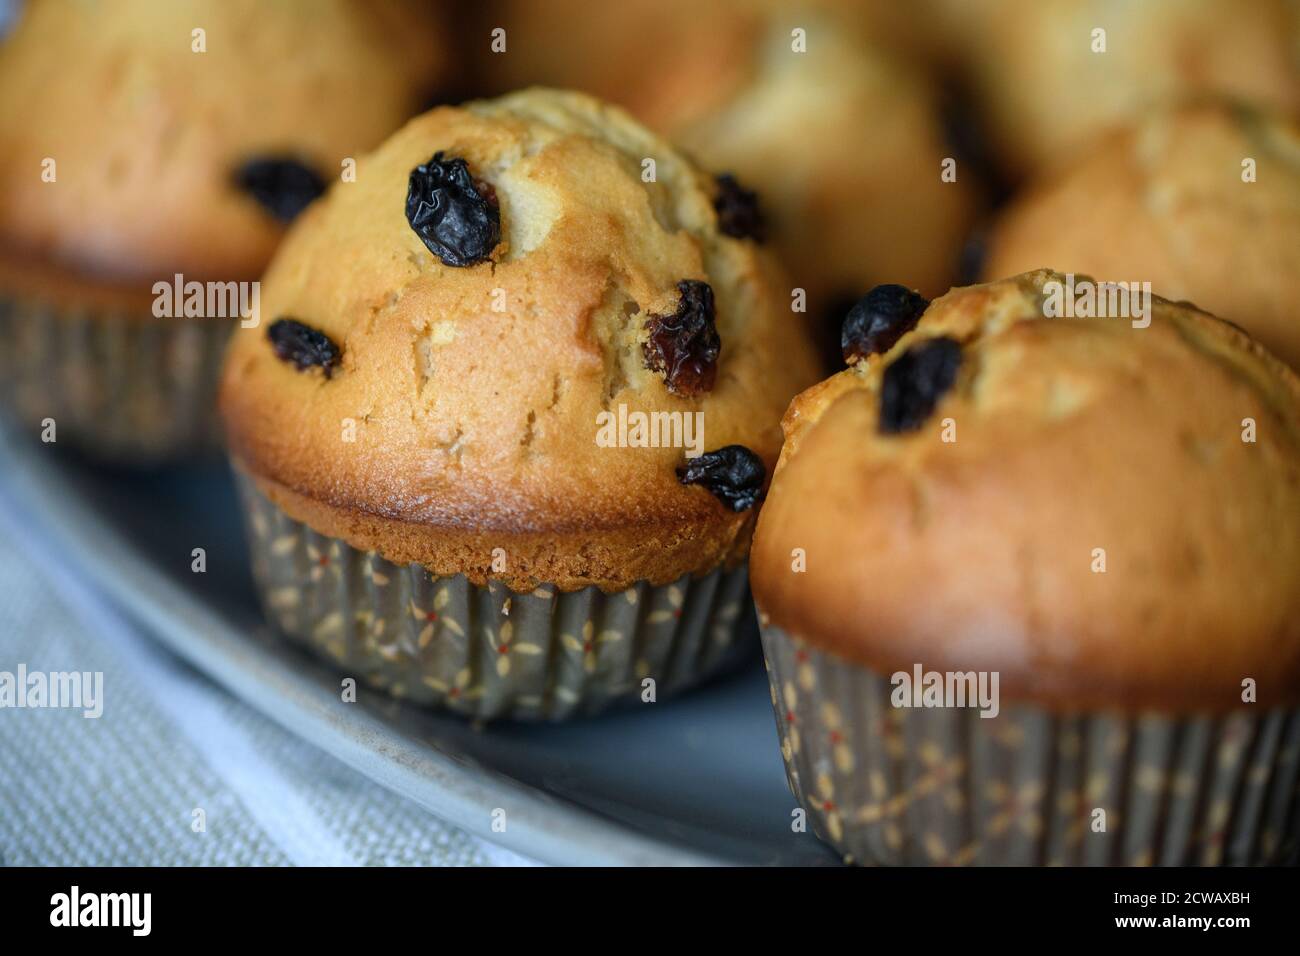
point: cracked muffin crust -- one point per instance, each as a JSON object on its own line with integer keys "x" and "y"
{"x": 474, "y": 390}
{"x": 1164, "y": 202}
{"x": 1070, "y": 435}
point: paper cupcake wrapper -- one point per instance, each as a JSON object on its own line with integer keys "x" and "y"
{"x": 945, "y": 786}
{"x": 125, "y": 388}
{"x": 489, "y": 652}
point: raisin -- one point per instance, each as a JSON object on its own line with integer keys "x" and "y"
{"x": 733, "y": 473}
{"x": 738, "y": 212}
{"x": 684, "y": 346}
{"x": 915, "y": 381}
{"x": 284, "y": 187}
{"x": 879, "y": 319}
{"x": 455, "y": 215}
{"x": 303, "y": 346}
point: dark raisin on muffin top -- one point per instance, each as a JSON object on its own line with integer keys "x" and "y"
{"x": 303, "y": 347}
{"x": 684, "y": 346}
{"x": 455, "y": 215}
{"x": 733, "y": 474}
{"x": 879, "y": 319}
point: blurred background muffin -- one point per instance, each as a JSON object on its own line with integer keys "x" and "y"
{"x": 1099, "y": 523}
{"x": 1202, "y": 201}
{"x": 837, "y": 128}
{"x": 1042, "y": 91}
{"x": 175, "y": 138}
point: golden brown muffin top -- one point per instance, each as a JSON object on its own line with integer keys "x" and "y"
{"x": 475, "y": 391}
{"x": 1078, "y": 444}
{"x": 1202, "y": 201}
{"x": 147, "y": 135}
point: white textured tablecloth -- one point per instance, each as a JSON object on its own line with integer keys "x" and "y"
{"x": 122, "y": 789}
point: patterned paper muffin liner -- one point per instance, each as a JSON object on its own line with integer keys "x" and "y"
{"x": 945, "y": 786}
{"x": 124, "y": 388}
{"x": 489, "y": 652}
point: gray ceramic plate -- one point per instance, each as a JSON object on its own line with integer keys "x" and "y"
{"x": 696, "y": 780}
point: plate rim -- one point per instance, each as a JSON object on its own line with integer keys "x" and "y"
{"x": 543, "y": 826}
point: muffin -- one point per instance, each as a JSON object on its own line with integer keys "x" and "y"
{"x": 1043, "y": 91}
{"x": 171, "y": 147}
{"x": 1085, "y": 531}
{"x": 1202, "y": 201}
{"x": 842, "y": 141}
{"x": 437, "y": 431}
